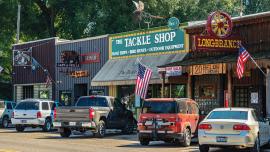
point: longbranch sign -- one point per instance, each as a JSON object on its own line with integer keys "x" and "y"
{"x": 170, "y": 40}
{"x": 214, "y": 43}
{"x": 219, "y": 68}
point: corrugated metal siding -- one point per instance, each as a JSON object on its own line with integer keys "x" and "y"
{"x": 99, "y": 44}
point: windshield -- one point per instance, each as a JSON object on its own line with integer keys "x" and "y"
{"x": 241, "y": 115}
{"x": 28, "y": 106}
{"x": 159, "y": 107}
{"x": 2, "y": 105}
{"x": 92, "y": 101}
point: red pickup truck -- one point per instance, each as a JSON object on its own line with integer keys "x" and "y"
{"x": 168, "y": 119}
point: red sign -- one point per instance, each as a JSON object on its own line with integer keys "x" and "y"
{"x": 91, "y": 57}
{"x": 214, "y": 43}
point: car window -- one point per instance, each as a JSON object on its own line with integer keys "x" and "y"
{"x": 182, "y": 106}
{"x": 92, "y": 101}
{"x": 9, "y": 106}
{"x": 189, "y": 108}
{"x": 45, "y": 106}
{"x": 32, "y": 105}
{"x": 254, "y": 115}
{"x": 241, "y": 115}
{"x": 52, "y": 105}
{"x": 195, "y": 109}
{"x": 2, "y": 105}
{"x": 20, "y": 106}
{"x": 159, "y": 107}
{"x": 13, "y": 105}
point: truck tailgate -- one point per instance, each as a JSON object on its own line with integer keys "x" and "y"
{"x": 72, "y": 114}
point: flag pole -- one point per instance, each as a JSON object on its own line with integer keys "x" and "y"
{"x": 258, "y": 66}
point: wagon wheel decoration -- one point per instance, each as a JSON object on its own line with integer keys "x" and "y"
{"x": 219, "y": 24}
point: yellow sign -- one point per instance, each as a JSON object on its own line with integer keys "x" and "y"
{"x": 78, "y": 74}
{"x": 219, "y": 68}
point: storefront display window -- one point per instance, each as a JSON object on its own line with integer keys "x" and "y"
{"x": 207, "y": 91}
{"x": 44, "y": 94}
{"x": 178, "y": 91}
{"x": 65, "y": 98}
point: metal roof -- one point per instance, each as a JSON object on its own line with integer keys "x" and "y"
{"x": 116, "y": 70}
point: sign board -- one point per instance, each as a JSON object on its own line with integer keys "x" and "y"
{"x": 219, "y": 68}
{"x": 173, "y": 71}
{"x": 254, "y": 97}
{"x": 69, "y": 59}
{"x": 214, "y": 43}
{"x": 173, "y": 23}
{"x": 79, "y": 74}
{"x": 91, "y": 57}
{"x": 147, "y": 42}
{"x": 22, "y": 58}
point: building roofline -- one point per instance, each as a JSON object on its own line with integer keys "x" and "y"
{"x": 81, "y": 40}
{"x": 34, "y": 41}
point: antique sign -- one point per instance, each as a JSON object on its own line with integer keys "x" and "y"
{"x": 219, "y": 68}
{"x": 219, "y": 24}
{"x": 214, "y": 43}
{"x": 79, "y": 74}
{"x": 147, "y": 42}
{"x": 173, "y": 71}
{"x": 91, "y": 57}
{"x": 69, "y": 59}
{"x": 22, "y": 58}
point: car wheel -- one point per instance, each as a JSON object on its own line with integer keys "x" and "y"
{"x": 187, "y": 138}
{"x": 204, "y": 148}
{"x": 129, "y": 128}
{"x": 101, "y": 129}
{"x": 5, "y": 122}
{"x": 47, "y": 125}
{"x": 256, "y": 147}
{"x": 65, "y": 132}
{"x": 19, "y": 128}
{"x": 144, "y": 142}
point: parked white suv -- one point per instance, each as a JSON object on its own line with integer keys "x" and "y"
{"x": 33, "y": 113}
{"x": 6, "y": 109}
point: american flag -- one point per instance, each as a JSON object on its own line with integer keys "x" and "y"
{"x": 48, "y": 81}
{"x": 242, "y": 59}
{"x": 143, "y": 77}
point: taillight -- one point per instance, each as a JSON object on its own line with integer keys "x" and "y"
{"x": 205, "y": 127}
{"x": 12, "y": 116}
{"x": 91, "y": 113}
{"x": 241, "y": 127}
{"x": 39, "y": 114}
{"x": 54, "y": 113}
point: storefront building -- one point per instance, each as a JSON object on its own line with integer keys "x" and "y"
{"x": 77, "y": 62}
{"x": 151, "y": 47}
{"x": 30, "y": 83}
{"x": 211, "y": 64}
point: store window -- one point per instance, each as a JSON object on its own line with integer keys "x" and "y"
{"x": 65, "y": 97}
{"x": 44, "y": 94}
{"x": 207, "y": 91}
{"x": 28, "y": 92}
{"x": 178, "y": 91}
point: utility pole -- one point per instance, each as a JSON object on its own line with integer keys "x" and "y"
{"x": 241, "y": 8}
{"x": 18, "y": 23}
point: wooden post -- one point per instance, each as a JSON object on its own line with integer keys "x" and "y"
{"x": 189, "y": 86}
{"x": 163, "y": 85}
{"x": 229, "y": 75}
{"x": 267, "y": 81}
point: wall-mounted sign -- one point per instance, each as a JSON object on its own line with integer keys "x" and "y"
{"x": 173, "y": 23}
{"x": 90, "y": 57}
{"x": 254, "y": 97}
{"x": 219, "y": 24}
{"x": 173, "y": 71}
{"x": 69, "y": 59}
{"x": 219, "y": 68}
{"x": 147, "y": 42}
{"x": 213, "y": 43}
{"x": 79, "y": 74}
{"x": 22, "y": 58}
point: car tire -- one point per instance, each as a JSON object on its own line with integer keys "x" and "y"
{"x": 144, "y": 142}
{"x": 101, "y": 129}
{"x": 187, "y": 138}
{"x": 256, "y": 147}
{"x": 47, "y": 125}
{"x": 19, "y": 128}
{"x": 129, "y": 128}
{"x": 5, "y": 122}
{"x": 203, "y": 148}
{"x": 65, "y": 132}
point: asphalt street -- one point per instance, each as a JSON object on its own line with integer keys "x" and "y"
{"x": 34, "y": 140}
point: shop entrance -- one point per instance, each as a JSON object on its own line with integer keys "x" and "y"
{"x": 241, "y": 97}
{"x": 80, "y": 90}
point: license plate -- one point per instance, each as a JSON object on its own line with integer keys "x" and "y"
{"x": 24, "y": 121}
{"x": 221, "y": 139}
{"x": 72, "y": 123}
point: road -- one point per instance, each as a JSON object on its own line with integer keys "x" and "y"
{"x": 38, "y": 141}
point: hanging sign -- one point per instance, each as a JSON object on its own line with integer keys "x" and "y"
{"x": 22, "y": 58}
{"x": 91, "y": 57}
{"x": 147, "y": 42}
{"x": 219, "y": 68}
{"x": 173, "y": 71}
{"x": 79, "y": 74}
{"x": 214, "y": 43}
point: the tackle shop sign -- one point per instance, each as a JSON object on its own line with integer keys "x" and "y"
{"x": 147, "y": 42}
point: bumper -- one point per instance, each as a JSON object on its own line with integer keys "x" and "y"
{"x": 160, "y": 135}
{"x": 74, "y": 124}
{"x": 244, "y": 139}
{"x": 38, "y": 122}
